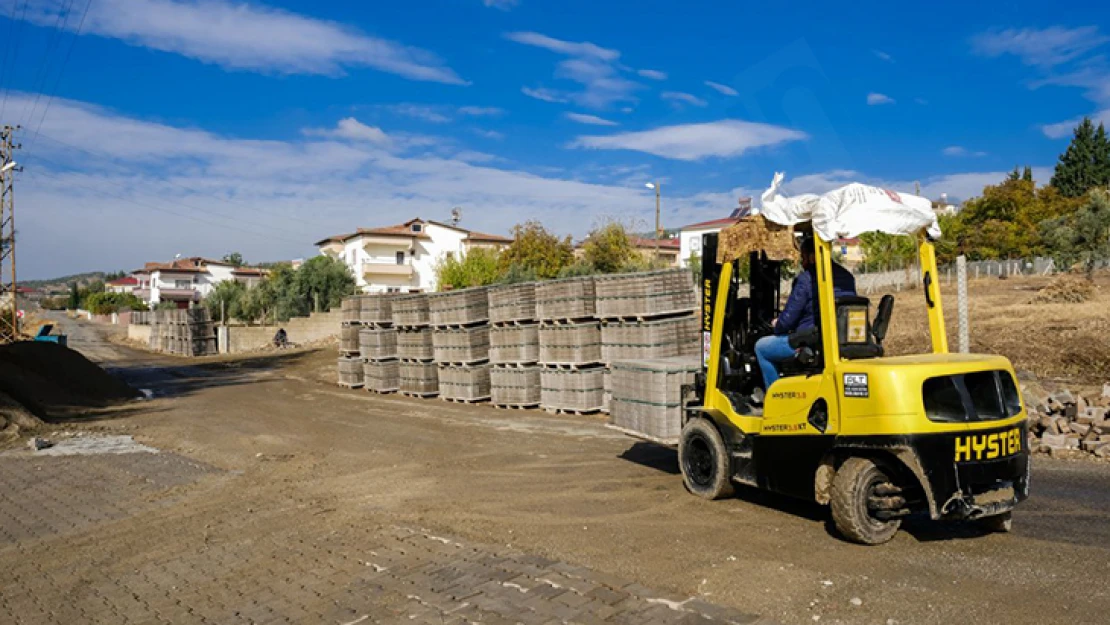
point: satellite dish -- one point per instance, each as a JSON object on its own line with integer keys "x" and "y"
{"x": 456, "y": 215}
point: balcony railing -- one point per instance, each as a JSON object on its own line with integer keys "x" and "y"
{"x": 387, "y": 269}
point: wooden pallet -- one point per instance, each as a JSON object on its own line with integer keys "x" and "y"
{"x": 350, "y": 384}
{"x": 351, "y": 322}
{"x": 466, "y": 400}
{"x": 666, "y": 442}
{"x": 516, "y": 364}
{"x": 566, "y": 321}
{"x": 512, "y": 323}
{"x": 573, "y": 366}
{"x": 387, "y": 391}
{"x": 351, "y": 353}
{"x": 525, "y": 406}
{"x": 461, "y": 363}
{"x": 460, "y": 326}
{"x": 420, "y": 395}
{"x": 572, "y": 411}
{"x": 662, "y": 316}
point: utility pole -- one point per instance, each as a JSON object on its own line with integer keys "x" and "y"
{"x": 658, "y": 230}
{"x": 9, "y": 319}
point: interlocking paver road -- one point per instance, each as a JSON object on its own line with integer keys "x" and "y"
{"x": 129, "y": 538}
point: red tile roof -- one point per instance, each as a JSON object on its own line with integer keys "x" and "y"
{"x": 250, "y": 271}
{"x": 124, "y": 281}
{"x": 490, "y": 238}
{"x": 664, "y": 244}
{"x": 405, "y": 230}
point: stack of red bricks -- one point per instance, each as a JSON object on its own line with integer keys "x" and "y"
{"x": 1066, "y": 422}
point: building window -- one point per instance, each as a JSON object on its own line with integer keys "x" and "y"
{"x": 182, "y": 284}
{"x": 417, "y": 227}
{"x": 400, "y": 258}
{"x": 450, "y": 256}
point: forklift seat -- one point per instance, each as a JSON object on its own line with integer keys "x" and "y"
{"x": 859, "y": 338}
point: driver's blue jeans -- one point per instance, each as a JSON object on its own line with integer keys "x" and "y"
{"x": 769, "y": 351}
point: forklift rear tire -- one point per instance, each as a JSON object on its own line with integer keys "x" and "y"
{"x": 852, "y": 486}
{"x": 704, "y": 460}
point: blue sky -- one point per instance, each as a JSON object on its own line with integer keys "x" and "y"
{"x": 158, "y": 127}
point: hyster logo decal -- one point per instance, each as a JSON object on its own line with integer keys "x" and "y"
{"x": 707, "y": 316}
{"x": 988, "y": 446}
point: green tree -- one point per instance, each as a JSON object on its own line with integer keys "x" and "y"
{"x": 608, "y": 248}
{"x": 887, "y": 251}
{"x": 1084, "y": 164}
{"x": 74, "y": 297}
{"x": 227, "y": 296}
{"x": 1027, "y": 175}
{"x": 537, "y": 250}
{"x": 1004, "y": 221}
{"x": 234, "y": 258}
{"x": 322, "y": 282}
{"x": 516, "y": 274}
{"x": 479, "y": 267}
{"x": 1083, "y": 236}
{"x": 108, "y": 303}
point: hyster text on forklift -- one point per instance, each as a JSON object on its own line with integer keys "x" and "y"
{"x": 875, "y": 437}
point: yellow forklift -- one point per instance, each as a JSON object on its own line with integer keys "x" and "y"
{"x": 877, "y": 438}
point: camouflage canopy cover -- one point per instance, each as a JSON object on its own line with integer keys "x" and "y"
{"x": 753, "y": 234}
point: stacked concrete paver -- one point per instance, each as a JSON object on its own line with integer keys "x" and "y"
{"x": 572, "y": 379}
{"x": 647, "y": 395}
{"x": 460, "y": 343}
{"x": 418, "y": 375}
{"x": 514, "y": 346}
{"x": 185, "y": 332}
{"x": 367, "y": 344}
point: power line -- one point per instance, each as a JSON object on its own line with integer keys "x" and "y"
{"x": 162, "y": 209}
{"x": 173, "y": 184}
{"x": 58, "y": 80}
{"x": 44, "y": 67}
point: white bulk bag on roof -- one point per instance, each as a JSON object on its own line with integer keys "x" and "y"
{"x": 851, "y": 210}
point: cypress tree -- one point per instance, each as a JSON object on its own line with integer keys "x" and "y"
{"x": 1075, "y": 172}
{"x": 1027, "y": 175}
{"x": 1102, "y": 157}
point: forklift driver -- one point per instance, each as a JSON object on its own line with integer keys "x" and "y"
{"x": 799, "y": 312}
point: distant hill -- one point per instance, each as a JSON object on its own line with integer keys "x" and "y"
{"x": 62, "y": 283}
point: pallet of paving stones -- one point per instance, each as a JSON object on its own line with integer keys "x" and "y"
{"x": 464, "y": 307}
{"x": 461, "y": 345}
{"x": 376, "y": 309}
{"x": 646, "y": 295}
{"x": 350, "y": 372}
{"x": 382, "y": 376}
{"x": 660, "y": 338}
{"x": 410, "y": 311}
{"x": 647, "y": 395}
{"x": 578, "y": 391}
{"x": 514, "y": 343}
{"x": 515, "y": 386}
{"x": 349, "y": 340}
{"x": 377, "y": 343}
{"x": 512, "y": 303}
{"x": 415, "y": 343}
{"x": 184, "y": 332}
{"x": 419, "y": 379}
{"x": 570, "y": 343}
{"x": 570, "y": 299}
{"x": 350, "y": 310}
{"x": 464, "y": 383}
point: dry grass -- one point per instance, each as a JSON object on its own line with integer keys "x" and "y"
{"x": 1064, "y": 342}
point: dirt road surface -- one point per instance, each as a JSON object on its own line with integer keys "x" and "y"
{"x": 281, "y": 497}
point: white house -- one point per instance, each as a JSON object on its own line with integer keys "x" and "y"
{"x": 689, "y": 237}
{"x": 186, "y": 281}
{"x": 403, "y": 258}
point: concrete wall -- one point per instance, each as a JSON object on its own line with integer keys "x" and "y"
{"x": 300, "y": 330}
{"x": 139, "y": 334}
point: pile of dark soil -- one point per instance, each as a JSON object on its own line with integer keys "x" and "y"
{"x": 50, "y": 380}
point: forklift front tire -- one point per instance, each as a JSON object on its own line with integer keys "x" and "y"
{"x": 853, "y": 486}
{"x": 704, "y": 460}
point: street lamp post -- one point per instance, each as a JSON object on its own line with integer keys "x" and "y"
{"x": 658, "y": 192}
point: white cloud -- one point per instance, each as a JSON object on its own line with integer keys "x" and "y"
{"x": 725, "y": 89}
{"x": 503, "y": 5}
{"x": 488, "y": 134}
{"x": 883, "y": 55}
{"x": 1066, "y": 128}
{"x": 690, "y": 142}
{"x": 241, "y": 36}
{"x": 353, "y": 130}
{"x": 678, "y": 98}
{"x": 1046, "y": 47}
{"x": 569, "y": 48}
{"x": 875, "y": 99}
{"x": 653, "y": 74}
{"x": 542, "y": 93}
{"x": 589, "y": 119}
{"x": 481, "y": 111}
{"x": 959, "y": 150}
{"x": 433, "y": 114}
{"x": 921, "y": 101}
{"x": 590, "y": 65}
